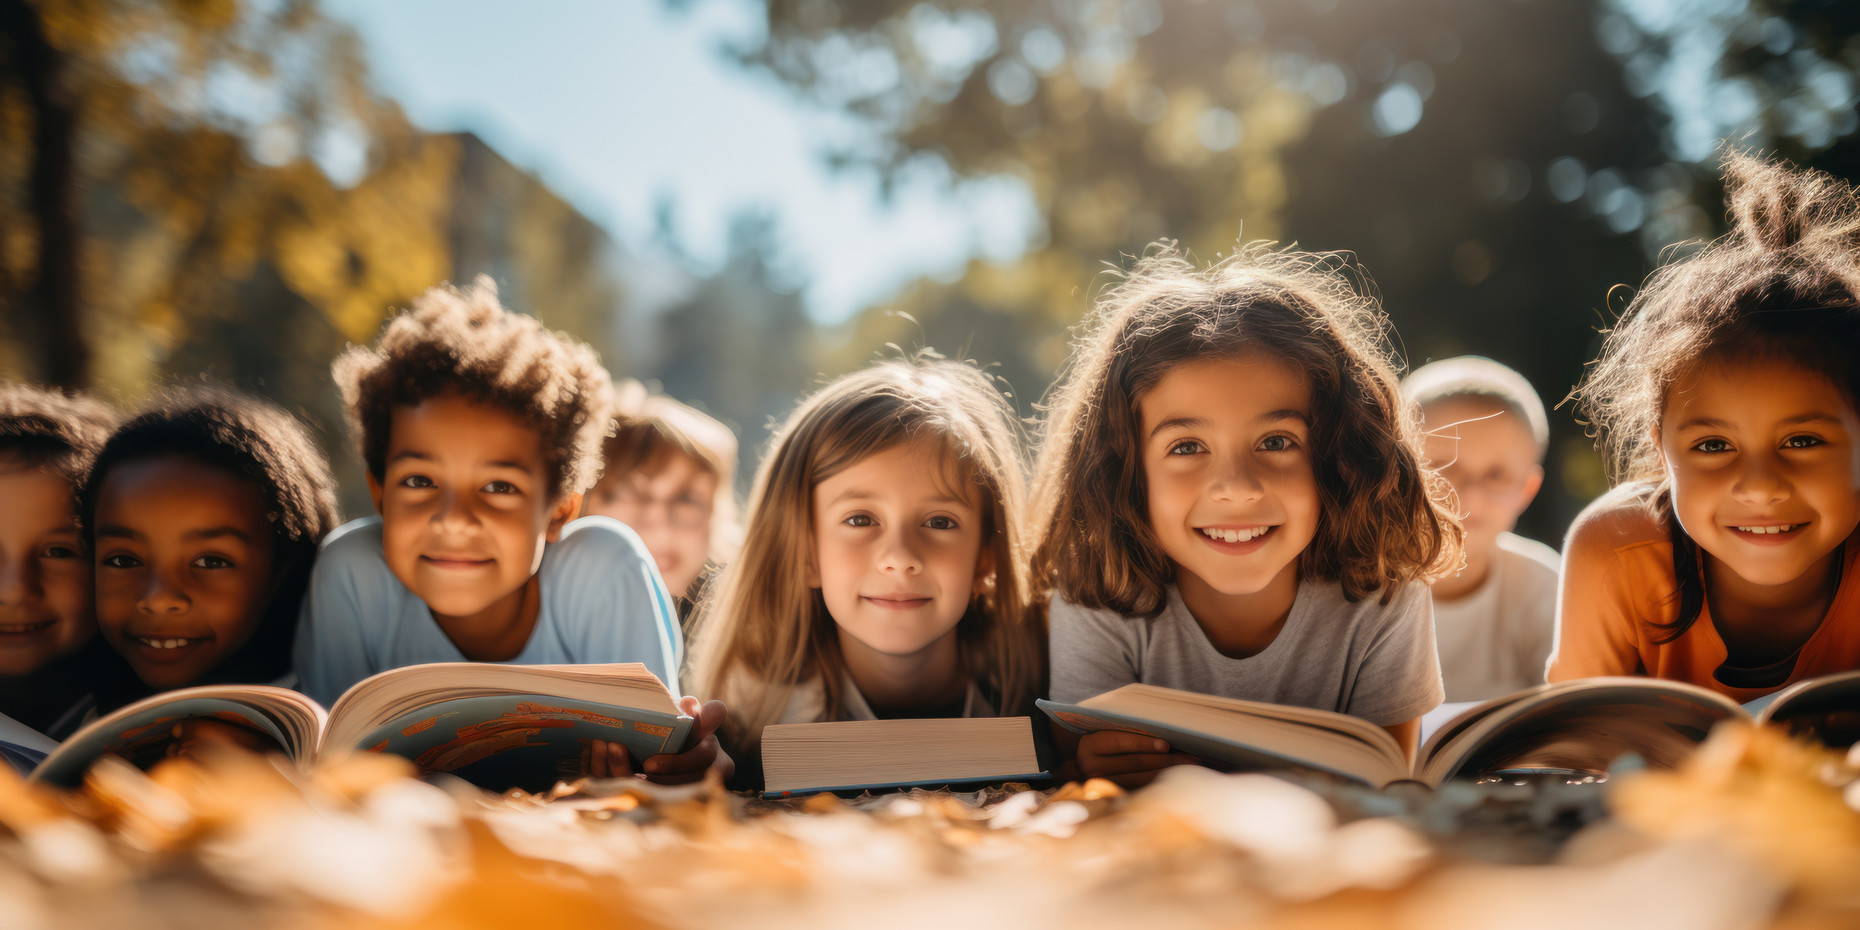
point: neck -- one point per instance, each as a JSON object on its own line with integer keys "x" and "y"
{"x": 928, "y": 682}
{"x": 499, "y": 632}
{"x": 39, "y": 697}
{"x": 1766, "y": 622}
{"x": 1467, "y": 580}
{"x": 1240, "y": 625}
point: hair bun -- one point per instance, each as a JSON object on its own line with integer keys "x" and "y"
{"x": 1777, "y": 208}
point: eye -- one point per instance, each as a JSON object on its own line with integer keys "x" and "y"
{"x": 58, "y": 551}
{"x": 499, "y": 487}
{"x": 860, "y": 519}
{"x": 1803, "y": 442}
{"x": 416, "y": 481}
{"x": 1187, "y": 447}
{"x": 212, "y": 562}
{"x": 941, "y": 522}
{"x": 1711, "y": 446}
{"x": 121, "y": 560}
{"x": 1280, "y": 443}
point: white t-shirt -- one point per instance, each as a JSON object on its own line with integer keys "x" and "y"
{"x": 602, "y": 601}
{"x": 1496, "y": 639}
{"x": 1367, "y": 659}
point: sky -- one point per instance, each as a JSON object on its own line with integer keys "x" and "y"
{"x": 616, "y": 105}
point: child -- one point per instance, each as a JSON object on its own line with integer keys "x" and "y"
{"x": 881, "y": 567}
{"x": 479, "y": 430}
{"x": 1230, "y": 501}
{"x": 1486, "y": 431}
{"x": 668, "y": 476}
{"x": 1725, "y": 404}
{"x": 203, "y": 514}
{"x": 51, "y": 661}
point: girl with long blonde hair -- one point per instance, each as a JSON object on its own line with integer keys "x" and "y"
{"x": 882, "y": 566}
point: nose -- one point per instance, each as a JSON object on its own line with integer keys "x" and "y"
{"x": 1760, "y": 481}
{"x": 163, "y": 595}
{"x": 1235, "y": 482}
{"x": 899, "y": 556}
{"x": 19, "y": 581}
{"x": 455, "y": 515}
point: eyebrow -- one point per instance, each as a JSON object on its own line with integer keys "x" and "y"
{"x": 423, "y": 457}
{"x": 860, "y": 494}
{"x": 1275, "y": 416}
{"x": 113, "y": 531}
{"x": 1813, "y": 416}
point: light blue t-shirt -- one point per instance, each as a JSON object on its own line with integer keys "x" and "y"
{"x": 602, "y": 601}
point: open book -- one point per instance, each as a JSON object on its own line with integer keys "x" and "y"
{"x": 1578, "y": 727}
{"x": 496, "y": 726}
{"x": 859, "y": 755}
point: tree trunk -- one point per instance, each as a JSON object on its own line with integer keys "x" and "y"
{"x": 49, "y": 317}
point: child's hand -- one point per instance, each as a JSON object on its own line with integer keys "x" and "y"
{"x": 604, "y": 759}
{"x": 705, "y": 753}
{"x": 1129, "y": 759}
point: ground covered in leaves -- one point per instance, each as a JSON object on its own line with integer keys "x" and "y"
{"x": 1755, "y": 831}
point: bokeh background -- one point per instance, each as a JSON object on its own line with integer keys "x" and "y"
{"x": 738, "y": 199}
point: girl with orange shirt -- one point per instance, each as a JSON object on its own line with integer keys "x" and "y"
{"x": 1726, "y": 407}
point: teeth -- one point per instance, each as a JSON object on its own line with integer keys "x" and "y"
{"x": 170, "y": 643}
{"x": 1769, "y": 530}
{"x": 1234, "y": 536}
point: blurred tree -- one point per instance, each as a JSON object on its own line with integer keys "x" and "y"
{"x": 739, "y": 344}
{"x": 1434, "y": 137}
{"x": 157, "y": 153}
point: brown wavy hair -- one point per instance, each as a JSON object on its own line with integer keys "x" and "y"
{"x": 762, "y": 631}
{"x": 1383, "y": 517}
{"x": 1783, "y": 283}
{"x": 462, "y": 342}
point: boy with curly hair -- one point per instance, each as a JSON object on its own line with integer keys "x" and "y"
{"x": 51, "y": 660}
{"x": 480, "y": 430}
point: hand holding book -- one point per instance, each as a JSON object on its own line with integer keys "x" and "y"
{"x": 1127, "y": 758}
{"x": 606, "y": 759}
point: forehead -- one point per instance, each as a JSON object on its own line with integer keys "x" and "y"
{"x": 456, "y": 429}
{"x": 176, "y": 492}
{"x": 1752, "y": 392}
{"x": 914, "y": 472}
{"x": 35, "y": 499}
{"x": 1473, "y": 418}
{"x": 1242, "y": 387}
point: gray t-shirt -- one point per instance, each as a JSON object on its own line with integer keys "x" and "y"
{"x": 1366, "y": 659}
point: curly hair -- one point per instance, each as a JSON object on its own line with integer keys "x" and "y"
{"x": 464, "y": 343}
{"x": 1382, "y": 518}
{"x": 260, "y": 442}
{"x": 1783, "y": 283}
{"x": 44, "y": 428}
{"x": 762, "y": 631}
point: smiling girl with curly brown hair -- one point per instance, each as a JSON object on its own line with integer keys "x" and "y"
{"x": 1231, "y": 501}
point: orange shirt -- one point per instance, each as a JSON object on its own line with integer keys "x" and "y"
{"x": 1618, "y": 579}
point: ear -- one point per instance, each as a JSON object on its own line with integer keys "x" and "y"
{"x": 1532, "y": 485}
{"x": 1653, "y": 434}
{"x": 985, "y": 571}
{"x": 565, "y": 509}
{"x": 813, "y": 562}
{"x": 375, "y": 492}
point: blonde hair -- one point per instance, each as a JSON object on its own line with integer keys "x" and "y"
{"x": 1382, "y": 519}
{"x": 645, "y": 430}
{"x": 763, "y": 632}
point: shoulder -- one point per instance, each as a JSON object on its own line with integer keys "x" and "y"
{"x": 1528, "y": 557}
{"x": 1405, "y": 600}
{"x": 595, "y": 543}
{"x": 1622, "y": 518}
{"x": 1064, "y": 614}
{"x": 352, "y": 554}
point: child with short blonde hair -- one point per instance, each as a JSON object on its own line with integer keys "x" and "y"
{"x": 668, "y": 474}
{"x": 1230, "y": 500}
{"x": 1486, "y": 431}
{"x": 883, "y": 559}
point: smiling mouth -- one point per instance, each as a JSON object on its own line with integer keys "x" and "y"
{"x": 162, "y": 644}
{"x": 1769, "y": 530}
{"x": 1236, "y": 535}
{"x": 19, "y": 629}
{"x": 899, "y": 603}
